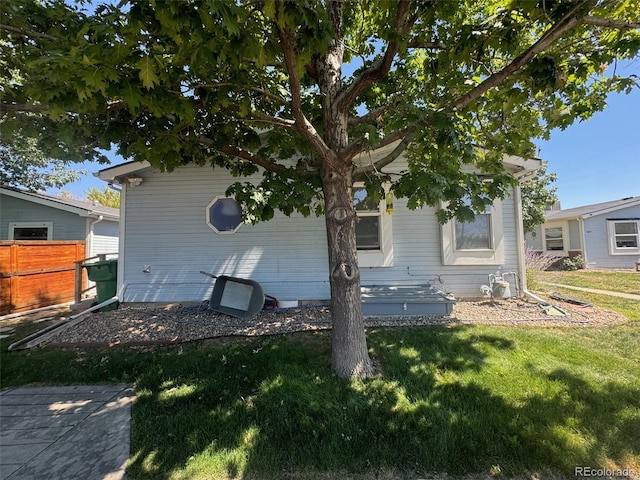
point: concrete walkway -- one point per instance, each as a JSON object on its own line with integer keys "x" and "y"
{"x": 630, "y": 296}
{"x": 66, "y": 433}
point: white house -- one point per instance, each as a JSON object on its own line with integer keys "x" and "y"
{"x": 607, "y": 235}
{"x": 176, "y": 224}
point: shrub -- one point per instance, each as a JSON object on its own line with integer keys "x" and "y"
{"x": 573, "y": 263}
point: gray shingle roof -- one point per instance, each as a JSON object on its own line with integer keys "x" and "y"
{"x": 595, "y": 209}
{"x": 91, "y": 208}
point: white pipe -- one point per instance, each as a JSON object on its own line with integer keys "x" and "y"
{"x": 583, "y": 241}
{"x": 37, "y": 338}
{"x": 90, "y": 234}
{"x": 522, "y": 266}
{"x": 35, "y": 310}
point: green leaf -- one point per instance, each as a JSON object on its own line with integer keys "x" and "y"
{"x": 147, "y": 73}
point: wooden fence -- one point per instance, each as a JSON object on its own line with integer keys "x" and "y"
{"x": 36, "y": 274}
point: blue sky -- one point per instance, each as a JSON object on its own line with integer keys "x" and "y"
{"x": 596, "y": 161}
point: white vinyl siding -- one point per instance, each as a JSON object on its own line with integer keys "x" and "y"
{"x": 598, "y": 240}
{"x": 66, "y": 225}
{"x": 105, "y": 237}
{"x": 166, "y": 231}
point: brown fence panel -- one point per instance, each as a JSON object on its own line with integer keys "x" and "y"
{"x": 36, "y": 274}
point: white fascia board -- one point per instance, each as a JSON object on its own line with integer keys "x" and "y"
{"x": 112, "y": 174}
{"x": 523, "y": 167}
{"x": 518, "y": 166}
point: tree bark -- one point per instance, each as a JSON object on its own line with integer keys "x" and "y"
{"x": 349, "y": 353}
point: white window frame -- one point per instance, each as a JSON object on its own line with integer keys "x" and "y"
{"x": 15, "y": 225}
{"x": 482, "y": 256}
{"x": 210, "y": 223}
{"x": 565, "y": 238}
{"x": 611, "y": 231}
{"x": 382, "y": 257}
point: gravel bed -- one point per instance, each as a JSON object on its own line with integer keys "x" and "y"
{"x": 181, "y": 323}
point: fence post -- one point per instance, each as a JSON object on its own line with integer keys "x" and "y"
{"x": 77, "y": 290}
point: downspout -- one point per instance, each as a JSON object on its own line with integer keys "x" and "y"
{"x": 583, "y": 241}
{"x": 121, "y": 228}
{"x": 90, "y": 234}
{"x": 522, "y": 266}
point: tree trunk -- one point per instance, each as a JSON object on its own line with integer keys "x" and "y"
{"x": 349, "y": 353}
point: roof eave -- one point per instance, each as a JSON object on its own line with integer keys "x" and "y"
{"x": 115, "y": 174}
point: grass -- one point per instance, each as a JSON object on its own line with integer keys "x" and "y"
{"x": 626, "y": 282}
{"x": 462, "y": 400}
{"x": 617, "y": 281}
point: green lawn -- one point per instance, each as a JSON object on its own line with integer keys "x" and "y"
{"x": 461, "y": 400}
{"x": 617, "y": 281}
{"x": 626, "y": 282}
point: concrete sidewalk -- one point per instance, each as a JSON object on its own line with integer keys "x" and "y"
{"x": 630, "y": 296}
{"x": 75, "y": 433}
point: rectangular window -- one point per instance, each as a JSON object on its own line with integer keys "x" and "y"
{"x": 374, "y": 236}
{"x": 478, "y": 242}
{"x": 553, "y": 238}
{"x": 31, "y": 231}
{"x": 626, "y": 234}
{"x": 368, "y": 227}
{"x": 624, "y": 237}
{"x": 476, "y": 234}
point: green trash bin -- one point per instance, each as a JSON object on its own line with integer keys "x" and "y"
{"x": 104, "y": 273}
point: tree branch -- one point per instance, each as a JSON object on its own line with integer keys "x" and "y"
{"x": 406, "y": 137}
{"x": 244, "y": 154}
{"x": 381, "y": 67}
{"x": 301, "y": 123}
{"x": 426, "y": 45}
{"x": 21, "y": 107}
{"x": 27, "y": 33}
{"x": 610, "y": 23}
{"x": 571, "y": 20}
{"x": 279, "y": 122}
{"x": 357, "y": 147}
{"x": 371, "y": 116}
{"x": 262, "y": 91}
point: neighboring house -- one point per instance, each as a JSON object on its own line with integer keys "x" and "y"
{"x": 176, "y": 224}
{"x": 42, "y": 241}
{"x": 607, "y": 235}
{"x": 34, "y": 216}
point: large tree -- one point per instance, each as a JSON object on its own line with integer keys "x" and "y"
{"x": 538, "y": 194}
{"x": 248, "y": 85}
{"x": 24, "y": 164}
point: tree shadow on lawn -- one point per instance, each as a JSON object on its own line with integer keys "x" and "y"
{"x": 271, "y": 408}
